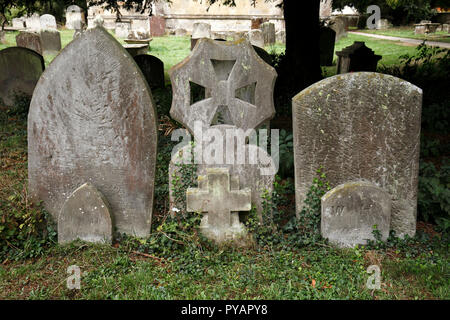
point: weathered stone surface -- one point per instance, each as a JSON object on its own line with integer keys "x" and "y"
{"x": 361, "y": 126}
{"x": 268, "y": 31}
{"x": 263, "y": 54}
{"x": 136, "y": 49}
{"x": 219, "y": 197}
{"x": 85, "y": 216}
{"x": 33, "y": 22}
{"x": 122, "y": 29}
{"x": 180, "y": 32}
{"x": 152, "y": 68}
{"x": 327, "y": 40}
{"x": 51, "y": 41}
{"x": 74, "y": 14}
{"x": 18, "y": 23}
{"x": 227, "y": 71}
{"x": 352, "y": 210}
{"x": 140, "y": 35}
{"x": 157, "y": 26}
{"x": 280, "y": 36}
{"x": 95, "y": 125}
{"x": 357, "y": 57}
{"x": 30, "y": 40}
{"x": 48, "y": 21}
{"x": 200, "y": 30}
{"x": 338, "y": 26}
{"x": 21, "y": 69}
{"x": 256, "y": 38}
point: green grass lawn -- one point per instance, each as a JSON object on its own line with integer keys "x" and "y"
{"x": 408, "y": 32}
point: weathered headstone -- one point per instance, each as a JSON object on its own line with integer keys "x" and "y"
{"x": 18, "y": 23}
{"x": 30, "y": 40}
{"x": 152, "y": 68}
{"x": 95, "y": 125}
{"x": 157, "y": 26}
{"x": 51, "y": 41}
{"x": 339, "y": 27}
{"x": 33, "y": 22}
{"x": 280, "y": 36}
{"x": 79, "y": 26}
{"x": 21, "y": 69}
{"x": 123, "y": 29}
{"x": 361, "y": 126}
{"x": 352, "y": 211}
{"x": 256, "y": 38}
{"x": 200, "y": 30}
{"x": 48, "y": 21}
{"x": 383, "y": 24}
{"x": 327, "y": 38}
{"x": 268, "y": 31}
{"x": 74, "y": 14}
{"x": 357, "y": 57}
{"x": 219, "y": 197}
{"x": 86, "y": 216}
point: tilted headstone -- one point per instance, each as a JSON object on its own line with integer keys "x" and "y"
{"x": 361, "y": 126}
{"x": 219, "y": 197}
{"x": 200, "y": 30}
{"x": 357, "y": 57}
{"x": 327, "y": 39}
{"x": 30, "y": 40}
{"x": 256, "y": 38}
{"x": 21, "y": 69}
{"x": 48, "y": 21}
{"x": 73, "y": 14}
{"x": 51, "y": 41}
{"x": 95, "y": 125}
{"x": 352, "y": 211}
{"x": 238, "y": 95}
{"x": 152, "y": 68}
{"x": 86, "y": 216}
{"x": 268, "y": 31}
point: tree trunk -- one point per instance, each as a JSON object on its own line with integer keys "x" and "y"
{"x": 302, "y": 61}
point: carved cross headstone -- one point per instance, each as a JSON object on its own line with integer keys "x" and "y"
{"x": 221, "y": 200}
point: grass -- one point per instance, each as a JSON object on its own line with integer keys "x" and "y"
{"x": 408, "y": 32}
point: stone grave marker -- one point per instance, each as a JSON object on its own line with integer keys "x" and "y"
{"x": 327, "y": 40}
{"x": 86, "y": 216}
{"x": 21, "y": 69}
{"x": 33, "y": 22}
{"x": 18, "y": 23}
{"x": 256, "y": 38}
{"x": 123, "y": 29}
{"x": 30, "y": 40}
{"x": 219, "y": 197}
{"x": 280, "y": 36}
{"x": 136, "y": 49}
{"x": 157, "y": 26}
{"x": 96, "y": 125}
{"x": 357, "y": 57}
{"x": 47, "y": 21}
{"x": 268, "y": 31}
{"x": 361, "y": 126}
{"x": 200, "y": 30}
{"x": 51, "y": 41}
{"x": 339, "y": 27}
{"x": 152, "y": 68}
{"x": 352, "y": 211}
{"x": 74, "y": 14}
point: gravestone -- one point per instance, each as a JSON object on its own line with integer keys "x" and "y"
{"x": 30, "y": 40}
{"x": 352, "y": 211}
{"x": 140, "y": 35}
{"x": 96, "y": 125}
{"x": 361, "y": 126}
{"x": 79, "y": 26}
{"x": 268, "y": 31}
{"x": 157, "y": 26}
{"x": 200, "y": 30}
{"x": 256, "y": 38}
{"x": 85, "y": 216}
{"x": 74, "y": 14}
{"x": 383, "y": 24}
{"x": 33, "y": 22}
{"x": 51, "y": 41}
{"x": 136, "y": 49}
{"x": 152, "y": 68}
{"x": 219, "y": 197}
{"x": 280, "y": 36}
{"x": 47, "y": 21}
{"x": 18, "y": 23}
{"x": 180, "y": 32}
{"x": 21, "y": 70}
{"x": 238, "y": 88}
{"x": 327, "y": 38}
{"x": 357, "y": 57}
{"x": 338, "y": 26}
{"x": 123, "y": 29}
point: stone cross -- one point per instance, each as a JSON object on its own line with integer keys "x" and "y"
{"x": 219, "y": 197}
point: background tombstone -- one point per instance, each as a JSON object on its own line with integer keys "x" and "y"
{"x": 383, "y": 24}
{"x": 152, "y": 68}
{"x": 327, "y": 39}
{"x": 30, "y": 40}
{"x": 86, "y": 216}
{"x": 18, "y": 23}
{"x": 123, "y": 29}
{"x": 96, "y": 125}
{"x": 256, "y": 38}
{"x": 47, "y": 21}
{"x": 201, "y": 30}
{"x": 357, "y": 57}
{"x": 157, "y": 26}
{"x": 180, "y": 32}
{"x": 51, "y": 41}
{"x": 361, "y": 126}
{"x": 21, "y": 70}
{"x": 136, "y": 49}
{"x": 350, "y": 212}
{"x": 339, "y": 27}
{"x": 268, "y": 31}
{"x": 280, "y": 36}
{"x": 33, "y": 22}
{"x": 73, "y": 14}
